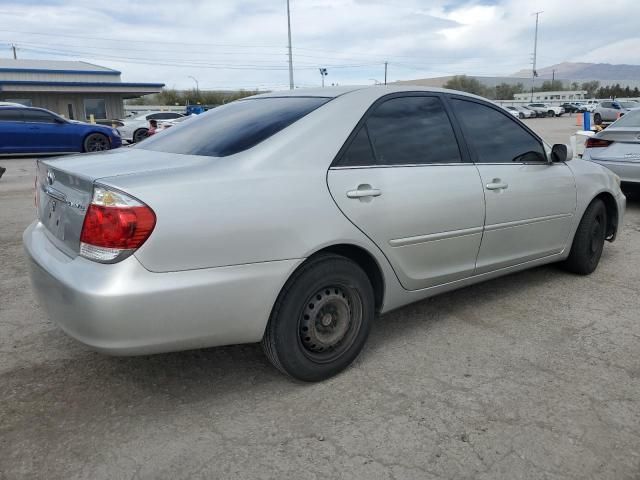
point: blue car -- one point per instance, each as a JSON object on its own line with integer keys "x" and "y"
{"x": 27, "y": 130}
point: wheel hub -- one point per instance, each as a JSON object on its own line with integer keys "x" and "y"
{"x": 326, "y": 320}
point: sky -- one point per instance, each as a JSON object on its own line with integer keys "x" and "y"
{"x": 227, "y": 44}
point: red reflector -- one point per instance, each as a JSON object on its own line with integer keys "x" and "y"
{"x": 117, "y": 227}
{"x": 597, "y": 142}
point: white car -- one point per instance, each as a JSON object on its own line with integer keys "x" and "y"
{"x": 546, "y": 110}
{"x": 135, "y": 129}
{"x": 512, "y": 110}
{"x": 164, "y": 124}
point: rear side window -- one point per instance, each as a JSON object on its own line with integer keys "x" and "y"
{"x": 37, "y": 116}
{"x": 496, "y": 137}
{"x": 234, "y": 127}
{"x": 163, "y": 116}
{"x": 404, "y": 131}
{"x": 10, "y": 115}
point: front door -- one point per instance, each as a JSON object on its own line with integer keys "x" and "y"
{"x": 47, "y": 132}
{"x": 530, "y": 203}
{"x": 401, "y": 180}
{"x": 13, "y": 138}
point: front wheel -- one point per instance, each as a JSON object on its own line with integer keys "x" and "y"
{"x": 597, "y": 119}
{"x": 521, "y": 115}
{"x": 140, "y": 134}
{"x": 96, "y": 142}
{"x": 321, "y": 319}
{"x": 551, "y": 113}
{"x": 588, "y": 242}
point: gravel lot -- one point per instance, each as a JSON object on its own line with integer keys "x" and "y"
{"x": 535, "y": 375}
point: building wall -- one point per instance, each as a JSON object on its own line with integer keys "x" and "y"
{"x": 58, "y": 102}
{"x": 562, "y": 96}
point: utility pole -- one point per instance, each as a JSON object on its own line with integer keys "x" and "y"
{"x": 385, "y": 72}
{"x": 553, "y": 76}
{"x": 197, "y": 86}
{"x": 290, "y": 55}
{"x": 13, "y": 47}
{"x": 534, "y": 74}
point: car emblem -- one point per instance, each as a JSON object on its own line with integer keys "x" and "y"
{"x": 50, "y": 177}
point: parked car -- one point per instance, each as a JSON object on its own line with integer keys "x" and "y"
{"x": 611, "y": 110}
{"x": 590, "y": 105}
{"x": 545, "y": 110}
{"x": 513, "y": 111}
{"x": 135, "y": 129}
{"x": 27, "y": 130}
{"x": 618, "y": 147}
{"x": 164, "y": 124}
{"x": 573, "y": 107}
{"x": 293, "y": 218}
{"x": 11, "y": 104}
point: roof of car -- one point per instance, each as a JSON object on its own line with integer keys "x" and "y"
{"x": 333, "y": 92}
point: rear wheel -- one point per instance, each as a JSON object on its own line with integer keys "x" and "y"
{"x": 96, "y": 142}
{"x": 321, "y": 319}
{"x": 140, "y": 134}
{"x": 521, "y": 115}
{"x": 551, "y": 113}
{"x": 588, "y": 242}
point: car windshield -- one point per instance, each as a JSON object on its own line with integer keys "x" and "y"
{"x": 234, "y": 127}
{"x": 630, "y": 120}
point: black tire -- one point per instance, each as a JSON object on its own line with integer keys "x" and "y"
{"x": 597, "y": 119}
{"x": 140, "y": 134}
{"x": 321, "y": 319}
{"x": 521, "y": 116}
{"x": 551, "y": 113}
{"x": 588, "y": 242}
{"x": 96, "y": 142}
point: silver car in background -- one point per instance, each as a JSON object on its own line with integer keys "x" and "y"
{"x": 618, "y": 147}
{"x": 294, "y": 218}
{"x": 611, "y": 110}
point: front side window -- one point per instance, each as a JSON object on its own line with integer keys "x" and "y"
{"x": 234, "y": 127}
{"x": 406, "y": 131}
{"x": 38, "y": 116}
{"x": 95, "y": 107}
{"x": 495, "y": 137}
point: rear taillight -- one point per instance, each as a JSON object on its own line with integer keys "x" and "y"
{"x": 597, "y": 142}
{"x": 115, "y": 226}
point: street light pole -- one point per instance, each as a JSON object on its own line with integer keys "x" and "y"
{"x": 385, "y": 72}
{"x": 290, "y": 54}
{"x": 323, "y": 73}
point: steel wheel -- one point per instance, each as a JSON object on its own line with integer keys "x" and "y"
{"x": 329, "y": 322}
{"x": 96, "y": 142}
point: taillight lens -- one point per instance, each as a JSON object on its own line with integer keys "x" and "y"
{"x": 115, "y": 226}
{"x": 597, "y": 142}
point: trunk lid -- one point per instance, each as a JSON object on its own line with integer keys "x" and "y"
{"x": 64, "y": 186}
{"x": 625, "y": 146}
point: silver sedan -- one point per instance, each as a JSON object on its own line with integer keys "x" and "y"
{"x": 618, "y": 147}
{"x": 293, "y": 219}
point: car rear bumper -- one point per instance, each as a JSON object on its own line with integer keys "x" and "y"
{"x": 629, "y": 172}
{"x": 124, "y": 309}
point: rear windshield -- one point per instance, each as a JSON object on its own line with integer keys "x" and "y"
{"x": 234, "y": 127}
{"x": 631, "y": 119}
{"x": 630, "y": 104}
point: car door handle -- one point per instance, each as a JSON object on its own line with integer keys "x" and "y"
{"x": 497, "y": 184}
{"x": 364, "y": 191}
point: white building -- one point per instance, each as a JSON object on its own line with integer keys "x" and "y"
{"x": 559, "y": 96}
{"x": 73, "y": 89}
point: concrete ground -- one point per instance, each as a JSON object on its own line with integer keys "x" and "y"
{"x": 531, "y": 376}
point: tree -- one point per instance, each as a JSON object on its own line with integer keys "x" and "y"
{"x": 506, "y": 91}
{"x": 170, "y": 96}
{"x": 466, "y": 84}
{"x": 575, "y": 86}
{"x": 551, "y": 86}
{"x": 591, "y": 87}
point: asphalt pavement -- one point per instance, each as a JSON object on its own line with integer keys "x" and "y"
{"x": 531, "y": 376}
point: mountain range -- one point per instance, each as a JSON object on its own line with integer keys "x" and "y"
{"x": 586, "y": 71}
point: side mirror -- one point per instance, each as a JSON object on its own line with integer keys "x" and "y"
{"x": 561, "y": 153}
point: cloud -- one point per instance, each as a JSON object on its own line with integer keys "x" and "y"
{"x": 242, "y": 43}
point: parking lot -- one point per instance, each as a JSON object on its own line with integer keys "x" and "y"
{"x": 534, "y": 375}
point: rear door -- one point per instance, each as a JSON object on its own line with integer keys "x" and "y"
{"x": 530, "y": 203}
{"x": 402, "y": 179}
{"x": 47, "y": 133}
{"x": 13, "y": 138}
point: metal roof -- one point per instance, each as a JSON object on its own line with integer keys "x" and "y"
{"x": 53, "y": 66}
